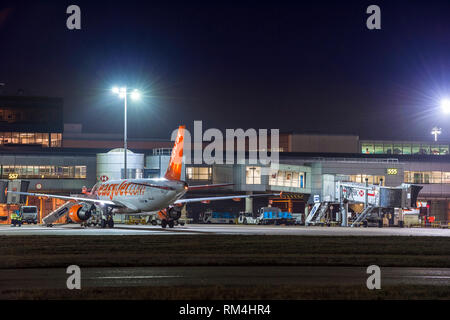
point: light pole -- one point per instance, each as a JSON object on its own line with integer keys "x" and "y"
{"x": 123, "y": 94}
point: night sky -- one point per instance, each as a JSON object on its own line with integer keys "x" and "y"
{"x": 298, "y": 66}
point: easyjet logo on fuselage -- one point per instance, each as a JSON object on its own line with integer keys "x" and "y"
{"x": 123, "y": 189}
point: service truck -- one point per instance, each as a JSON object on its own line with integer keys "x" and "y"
{"x": 248, "y": 218}
{"x": 219, "y": 217}
{"x": 274, "y": 215}
{"x": 29, "y": 214}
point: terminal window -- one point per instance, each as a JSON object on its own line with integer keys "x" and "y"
{"x": 361, "y": 178}
{"x": 404, "y": 148}
{"x": 426, "y": 177}
{"x": 43, "y": 172}
{"x": 31, "y": 138}
{"x": 253, "y": 175}
{"x": 287, "y": 179}
{"x": 199, "y": 173}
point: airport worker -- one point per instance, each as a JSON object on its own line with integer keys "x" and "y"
{"x": 19, "y": 218}
{"x": 13, "y": 218}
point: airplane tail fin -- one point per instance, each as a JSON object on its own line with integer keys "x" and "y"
{"x": 175, "y": 164}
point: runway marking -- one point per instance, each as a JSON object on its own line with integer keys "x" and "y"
{"x": 178, "y": 230}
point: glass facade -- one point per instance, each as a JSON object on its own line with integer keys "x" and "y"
{"x": 199, "y": 173}
{"x": 425, "y": 177}
{"x": 361, "y": 178}
{"x": 29, "y": 138}
{"x": 287, "y": 179}
{"x": 403, "y": 148}
{"x": 42, "y": 172}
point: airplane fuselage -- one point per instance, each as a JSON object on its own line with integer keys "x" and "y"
{"x": 141, "y": 195}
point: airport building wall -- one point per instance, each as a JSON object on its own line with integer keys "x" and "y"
{"x": 67, "y": 173}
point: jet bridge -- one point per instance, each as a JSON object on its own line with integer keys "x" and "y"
{"x": 372, "y": 196}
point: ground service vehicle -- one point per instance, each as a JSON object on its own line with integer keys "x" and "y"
{"x": 29, "y": 214}
{"x": 248, "y": 218}
{"x": 219, "y": 217}
{"x": 274, "y": 215}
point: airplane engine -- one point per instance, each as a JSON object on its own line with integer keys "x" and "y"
{"x": 80, "y": 212}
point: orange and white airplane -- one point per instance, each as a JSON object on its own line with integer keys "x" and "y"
{"x": 135, "y": 196}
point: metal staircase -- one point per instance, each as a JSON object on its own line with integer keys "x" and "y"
{"x": 58, "y": 213}
{"x": 317, "y": 213}
{"x": 362, "y": 215}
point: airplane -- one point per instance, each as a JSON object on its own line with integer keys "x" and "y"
{"x": 134, "y": 196}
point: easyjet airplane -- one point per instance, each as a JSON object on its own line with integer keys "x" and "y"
{"x": 136, "y": 195}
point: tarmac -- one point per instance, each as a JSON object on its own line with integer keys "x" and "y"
{"x": 198, "y": 229}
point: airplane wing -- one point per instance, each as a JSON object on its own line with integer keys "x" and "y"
{"x": 182, "y": 201}
{"x": 65, "y": 197}
{"x": 208, "y": 186}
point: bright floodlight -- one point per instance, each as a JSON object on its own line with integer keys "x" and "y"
{"x": 135, "y": 95}
{"x": 445, "y": 105}
{"x": 115, "y": 90}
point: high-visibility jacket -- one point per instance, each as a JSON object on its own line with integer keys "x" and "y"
{"x": 15, "y": 216}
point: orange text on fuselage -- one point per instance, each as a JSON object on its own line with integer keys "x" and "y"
{"x": 124, "y": 189}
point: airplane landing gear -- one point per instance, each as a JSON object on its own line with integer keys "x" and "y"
{"x": 165, "y": 223}
{"x": 169, "y": 216}
{"x": 111, "y": 223}
{"x": 107, "y": 218}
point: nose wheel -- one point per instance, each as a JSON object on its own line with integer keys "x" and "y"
{"x": 165, "y": 223}
{"x": 107, "y": 218}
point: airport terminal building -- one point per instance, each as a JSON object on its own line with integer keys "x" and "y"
{"x": 36, "y": 146}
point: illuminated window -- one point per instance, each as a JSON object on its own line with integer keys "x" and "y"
{"x": 397, "y": 149}
{"x": 445, "y": 177}
{"x": 44, "y": 172}
{"x": 56, "y": 139}
{"x": 31, "y": 138}
{"x": 406, "y": 148}
{"x": 425, "y": 149}
{"x": 253, "y": 175}
{"x": 435, "y": 149}
{"x": 378, "y": 148}
{"x": 436, "y": 177}
{"x": 367, "y": 148}
{"x": 416, "y": 149}
{"x": 425, "y": 177}
{"x": 387, "y": 148}
{"x": 361, "y": 178}
{"x": 199, "y": 173}
{"x": 15, "y": 137}
{"x": 443, "y": 149}
{"x": 80, "y": 172}
{"x": 287, "y": 179}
